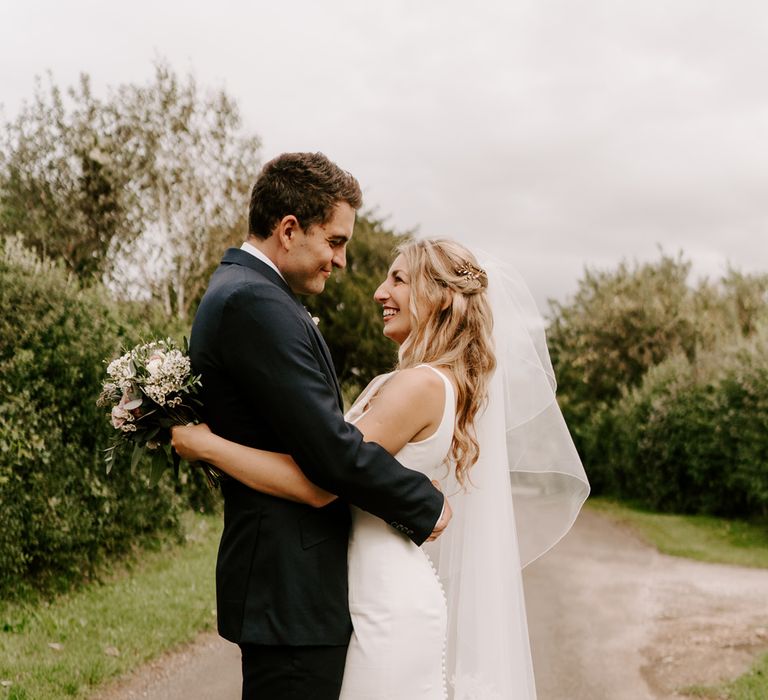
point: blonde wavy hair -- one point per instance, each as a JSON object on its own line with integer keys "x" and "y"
{"x": 451, "y": 326}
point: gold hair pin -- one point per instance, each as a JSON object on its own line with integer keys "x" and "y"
{"x": 467, "y": 269}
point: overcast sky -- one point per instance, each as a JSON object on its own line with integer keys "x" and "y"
{"x": 561, "y": 133}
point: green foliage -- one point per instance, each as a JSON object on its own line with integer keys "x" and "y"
{"x": 621, "y": 323}
{"x": 663, "y": 385}
{"x": 693, "y": 437}
{"x": 192, "y": 167}
{"x": 60, "y": 511}
{"x": 618, "y": 324}
{"x": 349, "y": 317}
{"x": 144, "y": 188}
{"x": 58, "y": 188}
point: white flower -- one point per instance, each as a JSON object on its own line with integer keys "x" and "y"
{"x": 121, "y": 369}
{"x": 155, "y": 362}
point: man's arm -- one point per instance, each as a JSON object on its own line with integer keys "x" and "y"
{"x": 266, "y": 342}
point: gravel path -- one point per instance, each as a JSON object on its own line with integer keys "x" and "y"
{"x": 610, "y": 619}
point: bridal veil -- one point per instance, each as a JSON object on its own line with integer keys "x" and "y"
{"x": 523, "y": 495}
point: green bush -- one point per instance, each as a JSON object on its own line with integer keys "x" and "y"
{"x": 60, "y": 513}
{"x": 621, "y": 323}
{"x": 692, "y": 438}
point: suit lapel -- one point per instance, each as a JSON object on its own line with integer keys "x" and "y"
{"x": 328, "y": 360}
{"x": 237, "y": 256}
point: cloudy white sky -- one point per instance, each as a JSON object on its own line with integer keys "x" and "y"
{"x": 561, "y": 133}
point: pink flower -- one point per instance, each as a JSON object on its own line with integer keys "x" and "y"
{"x": 130, "y": 402}
{"x": 119, "y": 416}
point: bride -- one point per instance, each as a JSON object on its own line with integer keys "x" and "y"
{"x": 471, "y": 404}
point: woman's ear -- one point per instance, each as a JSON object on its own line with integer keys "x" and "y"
{"x": 447, "y": 298}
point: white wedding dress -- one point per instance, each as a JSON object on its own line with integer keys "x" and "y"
{"x": 398, "y": 609}
{"x": 524, "y": 493}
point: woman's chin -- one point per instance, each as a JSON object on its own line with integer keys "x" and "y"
{"x": 394, "y": 336}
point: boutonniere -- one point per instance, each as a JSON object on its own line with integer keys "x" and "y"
{"x": 315, "y": 319}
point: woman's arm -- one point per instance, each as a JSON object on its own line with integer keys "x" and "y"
{"x": 272, "y": 473}
{"x": 409, "y": 406}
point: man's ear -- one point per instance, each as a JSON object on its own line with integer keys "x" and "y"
{"x": 286, "y": 231}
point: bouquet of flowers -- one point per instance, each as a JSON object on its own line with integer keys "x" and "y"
{"x": 148, "y": 390}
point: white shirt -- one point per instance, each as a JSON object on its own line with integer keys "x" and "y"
{"x": 253, "y": 250}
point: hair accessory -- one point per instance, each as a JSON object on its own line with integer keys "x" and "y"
{"x": 467, "y": 269}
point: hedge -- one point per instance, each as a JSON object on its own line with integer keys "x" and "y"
{"x": 692, "y": 438}
{"x": 60, "y": 513}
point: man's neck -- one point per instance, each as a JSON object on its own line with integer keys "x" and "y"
{"x": 265, "y": 251}
{"x": 266, "y": 245}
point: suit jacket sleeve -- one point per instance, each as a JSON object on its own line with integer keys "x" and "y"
{"x": 267, "y": 342}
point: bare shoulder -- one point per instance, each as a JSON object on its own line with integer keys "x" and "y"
{"x": 408, "y": 407}
{"x": 416, "y": 387}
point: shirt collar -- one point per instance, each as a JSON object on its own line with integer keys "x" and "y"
{"x": 253, "y": 250}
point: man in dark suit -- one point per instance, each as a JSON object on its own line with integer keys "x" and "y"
{"x": 269, "y": 382}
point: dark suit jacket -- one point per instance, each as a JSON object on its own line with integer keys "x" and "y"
{"x": 269, "y": 382}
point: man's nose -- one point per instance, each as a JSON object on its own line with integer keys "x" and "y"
{"x": 340, "y": 258}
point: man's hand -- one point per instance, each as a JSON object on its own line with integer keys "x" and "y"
{"x": 445, "y": 518}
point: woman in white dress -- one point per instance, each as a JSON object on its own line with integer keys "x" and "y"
{"x": 449, "y": 623}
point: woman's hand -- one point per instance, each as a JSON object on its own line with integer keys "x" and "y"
{"x": 191, "y": 441}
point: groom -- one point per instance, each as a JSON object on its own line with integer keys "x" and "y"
{"x": 269, "y": 382}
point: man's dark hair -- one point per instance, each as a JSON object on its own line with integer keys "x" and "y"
{"x": 307, "y": 185}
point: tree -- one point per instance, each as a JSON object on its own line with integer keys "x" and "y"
{"x": 192, "y": 170}
{"x": 746, "y": 297}
{"x": 624, "y": 322}
{"x": 57, "y": 189}
{"x": 618, "y": 324}
{"x": 143, "y": 188}
{"x": 348, "y": 316}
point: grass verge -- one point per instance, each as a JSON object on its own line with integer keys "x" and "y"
{"x": 65, "y": 647}
{"x": 753, "y": 685}
{"x": 750, "y": 686}
{"x": 701, "y": 537}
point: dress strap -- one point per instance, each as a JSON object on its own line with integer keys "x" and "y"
{"x": 357, "y": 408}
{"x": 450, "y": 393}
{"x": 447, "y": 381}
